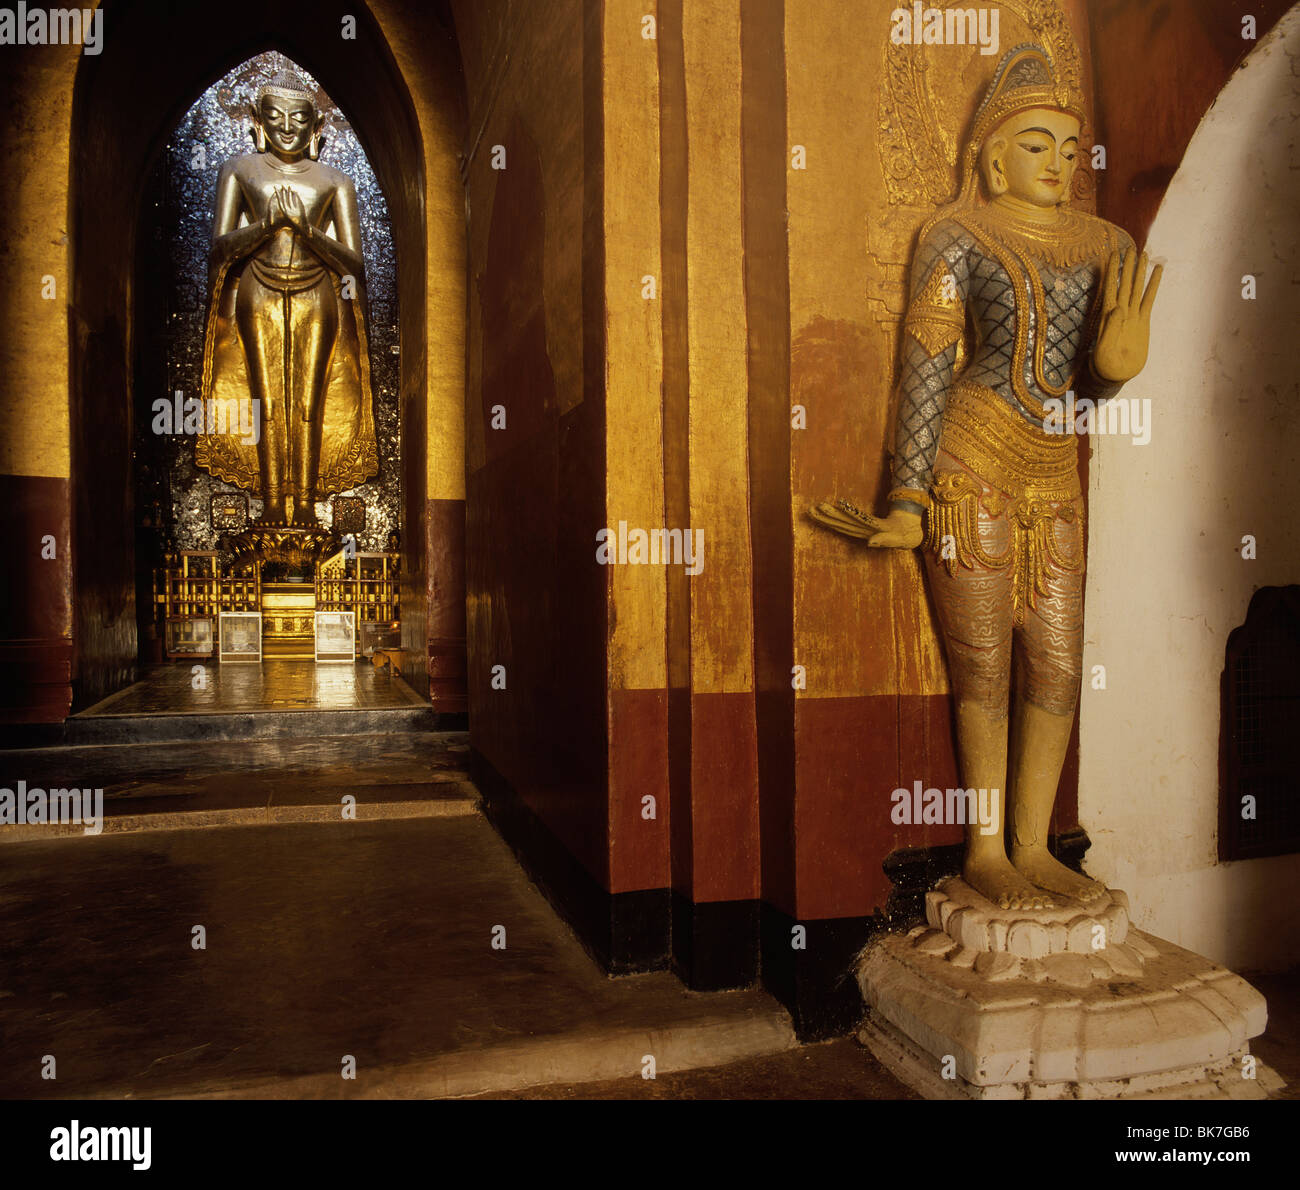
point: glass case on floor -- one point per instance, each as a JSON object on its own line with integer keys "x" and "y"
{"x": 240, "y": 636}
{"x": 336, "y": 636}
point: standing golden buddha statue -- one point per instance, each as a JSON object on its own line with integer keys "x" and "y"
{"x": 286, "y": 324}
{"x": 1015, "y": 301}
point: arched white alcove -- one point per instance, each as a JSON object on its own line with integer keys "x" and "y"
{"x": 1167, "y": 580}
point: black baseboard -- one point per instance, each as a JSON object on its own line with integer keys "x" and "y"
{"x": 710, "y": 946}
{"x": 715, "y": 943}
{"x": 913, "y": 871}
{"x": 31, "y": 735}
{"x": 715, "y": 946}
{"x": 814, "y": 974}
{"x": 624, "y": 932}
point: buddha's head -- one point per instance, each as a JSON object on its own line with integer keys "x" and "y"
{"x": 1031, "y": 156}
{"x": 1026, "y": 137}
{"x": 286, "y": 121}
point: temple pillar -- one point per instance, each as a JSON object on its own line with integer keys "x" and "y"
{"x": 716, "y": 858}
{"x": 635, "y": 292}
{"x": 535, "y": 432}
{"x": 36, "y": 618}
{"x": 434, "y": 500}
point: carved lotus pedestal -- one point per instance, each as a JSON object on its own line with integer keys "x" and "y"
{"x": 294, "y": 545}
{"x": 1064, "y": 1003}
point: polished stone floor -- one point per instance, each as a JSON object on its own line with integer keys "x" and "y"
{"x": 366, "y": 939}
{"x": 276, "y": 684}
{"x": 370, "y": 938}
{"x": 325, "y": 938}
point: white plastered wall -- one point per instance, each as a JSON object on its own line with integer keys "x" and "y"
{"x": 1167, "y": 581}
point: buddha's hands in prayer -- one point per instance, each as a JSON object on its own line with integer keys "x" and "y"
{"x": 293, "y": 208}
{"x": 899, "y": 530}
{"x": 275, "y": 212}
{"x": 1120, "y": 352}
{"x": 285, "y": 207}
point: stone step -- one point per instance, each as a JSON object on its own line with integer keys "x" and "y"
{"x": 170, "y": 785}
{"x": 252, "y": 725}
{"x": 452, "y": 794}
{"x": 759, "y": 1028}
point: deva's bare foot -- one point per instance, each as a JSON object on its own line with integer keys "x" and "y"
{"x": 995, "y": 878}
{"x": 1037, "y": 865}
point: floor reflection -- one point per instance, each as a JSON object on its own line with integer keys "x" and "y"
{"x": 276, "y": 684}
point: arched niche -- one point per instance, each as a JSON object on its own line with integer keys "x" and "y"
{"x": 1187, "y": 526}
{"x": 174, "y": 494}
{"x": 126, "y": 101}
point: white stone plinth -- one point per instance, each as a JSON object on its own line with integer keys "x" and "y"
{"x": 953, "y": 1021}
{"x": 1071, "y": 944}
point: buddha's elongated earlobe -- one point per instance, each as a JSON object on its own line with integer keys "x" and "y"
{"x": 990, "y": 164}
{"x": 257, "y": 132}
{"x": 317, "y": 138}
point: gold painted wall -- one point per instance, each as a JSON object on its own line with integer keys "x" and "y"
{"x": 34, "y": 162}
{"x": 633, "y": 340}
{"x": 36, "y": 612}
{"x": 722, "y": 641}
{"x": 523, "y": 62}
{"x": 537, "y": 603}
{"x": 438, "y": 100}
{"x": 842, "y": 355}
{"x": 877, "y": 166}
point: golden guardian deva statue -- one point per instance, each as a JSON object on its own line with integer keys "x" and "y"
{"x": 1015, "y": 301}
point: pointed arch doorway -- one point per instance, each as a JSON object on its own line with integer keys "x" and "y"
{"x": 127, "y": 101}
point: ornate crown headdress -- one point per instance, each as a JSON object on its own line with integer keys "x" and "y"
{"x": 286, "y": 85}
{"x": 1025, "y": 78}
